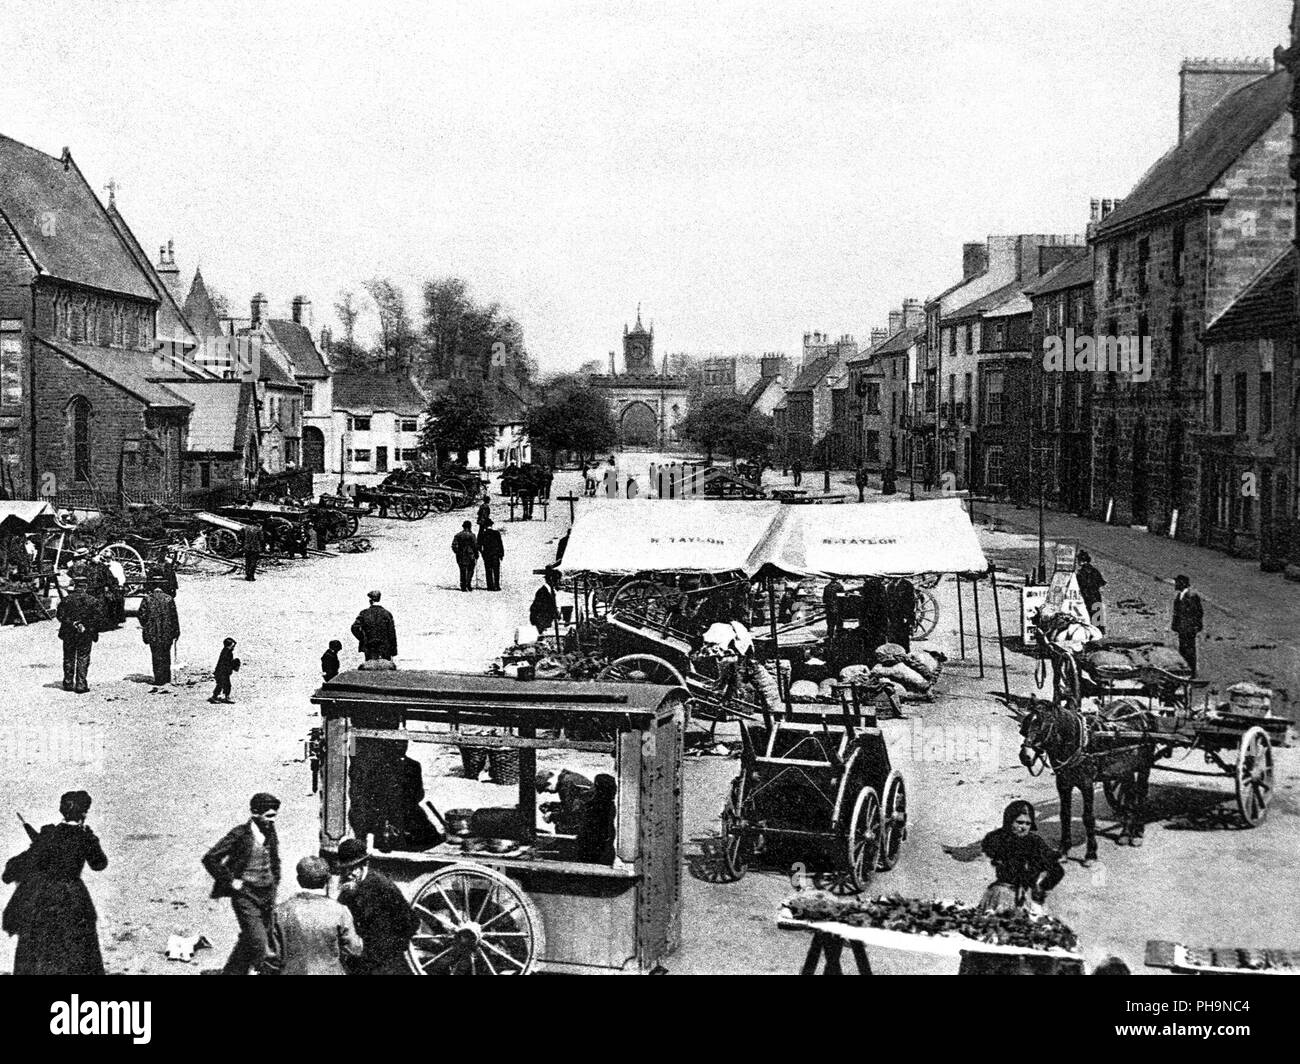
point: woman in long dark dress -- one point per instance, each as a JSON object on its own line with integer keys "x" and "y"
{"x": 51, "y": 910}
{"x": 1026, "y": 866}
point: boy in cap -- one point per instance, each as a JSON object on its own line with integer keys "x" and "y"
{"x": 311, "y": 934}
{"x": 381, "y": 914}
{"x": 245, "y": 867}
{"x": 329, "y": 661}
{"x": 227, "y": 664}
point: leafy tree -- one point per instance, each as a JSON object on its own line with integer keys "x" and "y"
{"x": 396, "y": 346}
{"x": 571, "y": 418}
{"x": 727, "y": 425}
{"x": 345, "y": 346}
{"x": 461, "y": 337}
{"x": 459, "y": 421}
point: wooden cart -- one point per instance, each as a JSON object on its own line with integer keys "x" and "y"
{"x": 818, "y": 777}
{"x": 540, "y": 908}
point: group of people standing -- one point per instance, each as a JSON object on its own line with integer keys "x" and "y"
{"x": 467, "y": 548}
{"x": 886, "y": 610}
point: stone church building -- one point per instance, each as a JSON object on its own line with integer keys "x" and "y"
{"x": 648, "y": 406}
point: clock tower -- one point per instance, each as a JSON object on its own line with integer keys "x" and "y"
{"x": 638, "y": 348}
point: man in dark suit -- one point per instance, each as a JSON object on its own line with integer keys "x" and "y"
{"x": 901, "y": 610}
{"x": 160, "y": 627}
{"x": 831, "y": 602}
{"x": 383, "y": 917}
{"x": 375, "y": 630}
{"x": 80, "y": 622}
{"x": 1188, "y": 618}
{"x": 245, "y": 867}
{"x": 493, "y": 550}
{"x": 252, "y": 551}
{"x": 465, "y": 547}
{"x": 544, "y": 611}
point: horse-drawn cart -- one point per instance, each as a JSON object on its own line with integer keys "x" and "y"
{"x": 819, "y": 779}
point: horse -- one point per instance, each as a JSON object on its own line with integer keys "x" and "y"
{"x": 1080, "y": 757}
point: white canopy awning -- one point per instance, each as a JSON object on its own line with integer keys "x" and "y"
{"x": 615, "y": 536}
{"x": 876, "y": 539}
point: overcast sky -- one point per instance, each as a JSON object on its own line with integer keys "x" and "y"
{"x": 745, "y": 171}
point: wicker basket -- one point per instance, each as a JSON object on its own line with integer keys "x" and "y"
{"x": 503, "y": 766}
{"x": 473, "y": 758}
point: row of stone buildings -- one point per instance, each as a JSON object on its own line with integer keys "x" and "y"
{"x": 1141, "y": 372}
{"x": 114, "y": 385}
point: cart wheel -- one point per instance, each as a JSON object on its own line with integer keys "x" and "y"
{"x": 224, "y": 542}
{"x": 894, "y": 821}
{"x": 641, "y": 599}
{"x": 737, "y": 847}
{"x": 1254, "y": 775}
{"x": 411, "y": 508}
{"x": 342, "y": 526}
{"x": 864, "y": 837}
{"x": 927, "y": 614}
{"x": 129, "y": 558}
{"x": 645, "y": 668}
{"x": 474, "y": 921}
{"x": 442, "y": 502}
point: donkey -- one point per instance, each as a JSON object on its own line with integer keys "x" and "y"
{"x": 1061, "y": 736}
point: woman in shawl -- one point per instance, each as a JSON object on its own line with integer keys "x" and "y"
{"x": 1026, "y": 866}
{"x": 51, "y": 911}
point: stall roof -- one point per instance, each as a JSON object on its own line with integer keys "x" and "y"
{"x": 660, "y": 535}
{"x": 879, "y": 539}
{"x": 22, "y": 515}
{"x": 446, "y": 691}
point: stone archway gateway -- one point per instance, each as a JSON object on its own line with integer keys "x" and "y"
{"x": 638, "y": 424}
{"x": 313, "y": 449}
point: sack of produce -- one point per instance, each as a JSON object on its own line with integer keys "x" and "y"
{"x": 803, "y": 691}
{"x": 826, "y": 689}
{"x": 1110, "y": 663}
{"x": 550, "y": 669}
{"x": 900, "y": 673}
{"x": 1250, "y": 699}
{"x": 1165, "y": 658}
{"x": 923, "y": 663}
{"x": 855, "y": 673}
{"x": 888, "y": 653}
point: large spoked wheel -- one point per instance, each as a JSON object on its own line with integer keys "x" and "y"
{"x": 340, "y": 526}
{"x": 642, "y": 599}
{"x": 442, "y": 502}
{"x": 927, "y": 614}
{"x": 412, "y": 507}
{"x": 1254, "y": 775}
{"x": 645, "y": 668}
{"x": 737, "y": 847}
{"x": 475, "y": 921}
{"x": 130, "y": 561}
{"x": 893, "y": 821}
{"x": 224, "y": 542}
{"x": 865, "y": 830}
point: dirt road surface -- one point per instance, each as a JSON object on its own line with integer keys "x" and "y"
{"x": 170, "y": 772}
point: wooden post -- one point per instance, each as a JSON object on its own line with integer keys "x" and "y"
{"x": 997, "y": 612}
{"x": 570, "y": 499}
{"x": 776, "y": 647}
{"x": 979, "y": 635}
{"x": 961, "y": 621}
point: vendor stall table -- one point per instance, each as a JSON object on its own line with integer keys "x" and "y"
{"x": 829, "y": 939}
{"x": 13, "y": 599}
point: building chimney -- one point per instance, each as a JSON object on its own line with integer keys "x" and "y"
{"x": 913, "y": 314}
{"x": 302, "y": 311}
{"x": 974, "y": 260}
{"x": 895, "y": 321}
{"x": 257, "y": 308}
{"x": 879, "y": 336}
{"x": 171, "y": 276}
{"x": 1204, "y": 83}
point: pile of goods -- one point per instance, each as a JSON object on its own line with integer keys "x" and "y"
{"x": 914, "y": 916}
{"x": 1112, "y": 662}
{"x": 1255, "y": 960}
{"x": 912, "y": 672}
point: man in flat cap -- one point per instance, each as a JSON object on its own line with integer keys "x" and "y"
{"x": 380, "y": 912}
{"x": 312, "y": 934}
{"x": 465, "y": 546}
{"x": 80, "y": 621}
{"x": 375, "y": 631}
{"x": 245, "y": 867}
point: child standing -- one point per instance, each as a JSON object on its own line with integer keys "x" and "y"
{"x": 329, "y": 661}
{"x": 227, "y": 664}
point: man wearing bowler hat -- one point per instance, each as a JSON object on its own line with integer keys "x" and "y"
{"x": 381, "y": 914}
{"x": 245, "y": 867}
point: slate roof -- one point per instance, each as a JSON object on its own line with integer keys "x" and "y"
{"x": 1074, "y": 272}
{"x": 977, "y": 307}
{"x": 297, "y": 343}
{"x": 219, "y": 422}
{"x": 756, "y": 391}
{"x": 199, "y": 311}
{"x": 1191, "y": 168}
{"x": 135, "y": 372}
{"x": 1267, "y": 305}
{"x": 813, "y": 374}
{"x": 62, "y": 225}
{"x": 894, "y": 345}
{"x": 362, "y": 392}
{"x": 171, "y": 319}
